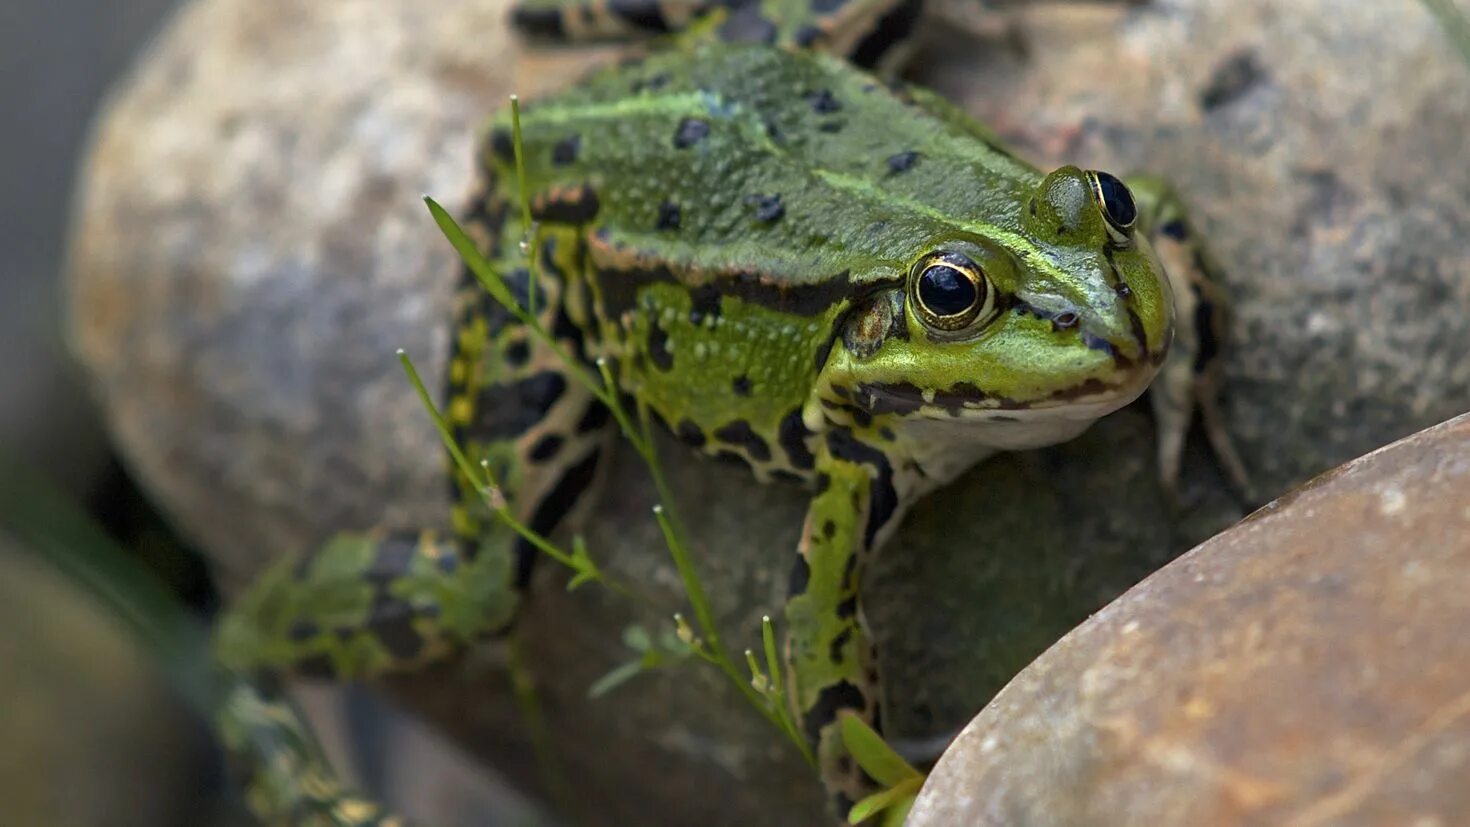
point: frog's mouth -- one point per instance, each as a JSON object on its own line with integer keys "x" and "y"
{"x": 1086, "y": 400}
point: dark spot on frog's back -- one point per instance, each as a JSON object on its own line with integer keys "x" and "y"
{"x": 902, "y": 161}
{"x": 566, "y": 150}
{"x": 739, "y": 433}
{"x": 823, "y": 103}
{"x": 740, "y": 385}
{"x": 690, "y": 132}
{"x": 768, "y": 208}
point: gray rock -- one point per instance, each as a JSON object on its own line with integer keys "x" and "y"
{"x": 1308, "y": 666}
{"x": 250, "y": 250}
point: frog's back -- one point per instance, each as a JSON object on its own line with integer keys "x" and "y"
{"x": 740, "y": 161}
{"x": 722, "y": 208}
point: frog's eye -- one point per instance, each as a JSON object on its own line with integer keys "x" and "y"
{"x": 950, "y": 291}
{"x": 1116, "y": 203}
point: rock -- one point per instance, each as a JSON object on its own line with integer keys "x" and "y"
{"x": 92, "y": 733}
{"x": 1308, "y": 666}
{"x": 250, "y": 250}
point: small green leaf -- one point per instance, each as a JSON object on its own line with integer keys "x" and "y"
{"x": 617, "y": 677}
{"x": 899, "y": 798}
{"x": 898, "y": 813}
{"x": 465, "y": 246}
{"x": 873, "y": 754}
{"x": 586, "y": 570}
{"x": 636, "y": 637}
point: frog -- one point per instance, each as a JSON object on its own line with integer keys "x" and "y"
{"x": 792, "y": 259}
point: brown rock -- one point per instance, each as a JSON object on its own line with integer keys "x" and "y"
{"x": 91, "y": 732}
{"x": 1308, "y": 667}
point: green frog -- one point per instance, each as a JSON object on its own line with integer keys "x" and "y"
{"x": 836, "y": 278}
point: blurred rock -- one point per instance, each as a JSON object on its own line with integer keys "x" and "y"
{"x": 92, "y": 736}
{"x": 250, "y": 250}
{"x": 1308, "y": 666}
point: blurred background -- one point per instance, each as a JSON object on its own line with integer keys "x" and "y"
{"x": 58, "y": 58}
{"x": 92, "y": 734}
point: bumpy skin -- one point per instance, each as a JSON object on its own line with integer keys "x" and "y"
{"x": 745, "y": 231}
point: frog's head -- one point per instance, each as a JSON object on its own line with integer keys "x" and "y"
{"x": 1022, "y": 332}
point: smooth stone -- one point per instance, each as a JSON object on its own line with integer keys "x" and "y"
{"x": 1309, "y": 667}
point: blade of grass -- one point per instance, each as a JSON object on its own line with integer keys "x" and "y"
{"x": 873, "y": 754}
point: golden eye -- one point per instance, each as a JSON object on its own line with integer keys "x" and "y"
{"x": 1115, "y": 202}
{"x": 950, "y": 291}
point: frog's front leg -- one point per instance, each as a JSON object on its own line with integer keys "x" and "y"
{"x": 1190, "y": 378}
{"x": 831, "y": 660}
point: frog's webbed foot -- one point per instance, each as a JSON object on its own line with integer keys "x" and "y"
{"x": 287, "y": 778}
{"x": 1189, "y": 380}
{"x": 361, "y": 606}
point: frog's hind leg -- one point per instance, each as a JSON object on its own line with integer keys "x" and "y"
{"x": 1189, "y": 380}
{"x": 867, "y": 32}
{"x": 595, "y": 20}
{"x": 380, "y": 602}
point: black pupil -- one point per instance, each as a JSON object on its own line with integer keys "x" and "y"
{"x": 946, "y": 291}
{"x": 1117, "y": 200}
